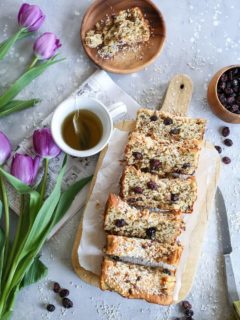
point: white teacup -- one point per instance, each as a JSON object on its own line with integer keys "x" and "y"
{"x": 106, "y": 114}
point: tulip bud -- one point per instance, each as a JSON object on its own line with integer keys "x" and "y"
{"x": 44, "y": 144}
{"x": 46, "y": 45}
{"x": 5, "y": 148}
{"x": 25, "y": 168}
{"x": 30, "y": 17}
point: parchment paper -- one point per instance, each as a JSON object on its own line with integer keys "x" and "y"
{"x": 93, "y": 237}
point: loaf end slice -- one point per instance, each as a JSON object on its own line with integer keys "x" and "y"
{"x": 155, "y": 285}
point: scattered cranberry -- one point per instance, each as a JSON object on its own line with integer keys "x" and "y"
{"x": 67, "y": 303}
{"x": 50, "y": 307}
{"x": 226, "y": 160}
{"x": 153, "y": 118}
{"x": 174, "y": 197}
{"x": 64, "y": 293}
{"x": 56, "y": 287}
{"x": 151, "y": 232}
{"x": 167, "y": 121}
{"x": 219, "y": 149}
{"x": 120, "y": 223}
{"x": 186, "y": 305}
{"x": 152, "y": 185}
{"x": 138, "y": 190}
{"x": 137, "y": 155}
{"x": 228, "y": 142}
{"x": 225, "y": 131}
{"x": 189, "y": 312}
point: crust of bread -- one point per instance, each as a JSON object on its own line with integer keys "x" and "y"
{"x": 107, "y": 283}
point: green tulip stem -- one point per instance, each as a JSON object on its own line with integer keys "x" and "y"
{"x": 6, "y": 213}
{"x": 44, "y": 181}
{"x": 35, "y": 60}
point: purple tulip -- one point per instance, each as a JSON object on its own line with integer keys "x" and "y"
{"x": 44, "y": 144}
{"x": 30, "y": 17}
{"x": 5, "y": 148}
{"x": 25, "y": 168}
{"x": 46, "y": 45}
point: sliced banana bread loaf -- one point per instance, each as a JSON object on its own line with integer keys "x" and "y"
{"x": 161, "y": 125}
{"x": 162, "y": 157}
{"x": 147, "y": 190}
{"x": 144, "y": 250}
{"x": 155, "y": 285}
{"x": 124, "y": 220}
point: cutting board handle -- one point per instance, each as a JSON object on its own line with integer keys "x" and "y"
{"x": 178, "y": 95}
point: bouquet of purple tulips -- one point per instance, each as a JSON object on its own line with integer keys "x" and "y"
{"x": 20, "y": 263}
{"x": 30, "y": 19}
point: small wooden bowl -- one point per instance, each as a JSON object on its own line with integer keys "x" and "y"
{"x": 214, "y": 102}
{"x": 129, "y": 61}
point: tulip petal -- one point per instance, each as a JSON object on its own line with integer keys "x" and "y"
{"x": 44, "y": 144}
{"x": 36, "y": 163}
{"x": 30, "y": 17}
{"x": 5, "y": 148}
{"x": 46, "y": 45}
{"x": 25, "y": 168}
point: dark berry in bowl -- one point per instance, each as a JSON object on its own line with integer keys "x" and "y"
{"x": 228, "y": 142}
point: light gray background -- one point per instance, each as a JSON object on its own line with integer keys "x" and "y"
{"x": 202, "y": 36}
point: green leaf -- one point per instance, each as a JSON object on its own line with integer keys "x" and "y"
{"x": 8, "y": 43}
{"x": 24, "y": 80}
{"x": 36, "y": 272}
{"x": 2, "y": 254}
{"x": 17, "y": 105}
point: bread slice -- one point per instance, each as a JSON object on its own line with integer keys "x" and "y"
{"x": 148, "y": 190}
{"x": 162, "y": 157}
{"x": 145, "y": 251}
{"x": 161, "y": 125}
{"x": 154, "y": 285}
{"x": 123, "y": 220}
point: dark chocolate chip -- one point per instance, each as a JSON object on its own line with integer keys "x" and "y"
{"x": 137, "y": 155}
{"x": 153, "y": 118}
{"x": 174, "y": 197}
{"x": 138, "y": 278}
{"x": 167, "y": 121}
{"x": 186, "y": 165}
{"x": 130, "y": 291}
{"x": 175, "y": 131}
{"x": 120, "y": 223}
{"x": 155, "y": 164}
{"x": 167, "y": 271}
{"x": 137, "y": 190}
{"x": 151, "y": 232}
{"x": 152, "y": 185}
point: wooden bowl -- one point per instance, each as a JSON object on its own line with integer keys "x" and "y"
{"x": 214, "y": 102}
{"x": 129, "y": 61}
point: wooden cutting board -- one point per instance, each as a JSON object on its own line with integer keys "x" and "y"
{"x": 176, "y": 101}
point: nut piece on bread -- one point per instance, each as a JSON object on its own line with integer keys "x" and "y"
{"x": 162, "y": 157}
{"x": 148, "y": 190}
{"x": 124, "y": 220}
{"x": 161, "y": 125}
{"x": 145, "y": 251}
{"x": 155, "y": 285}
